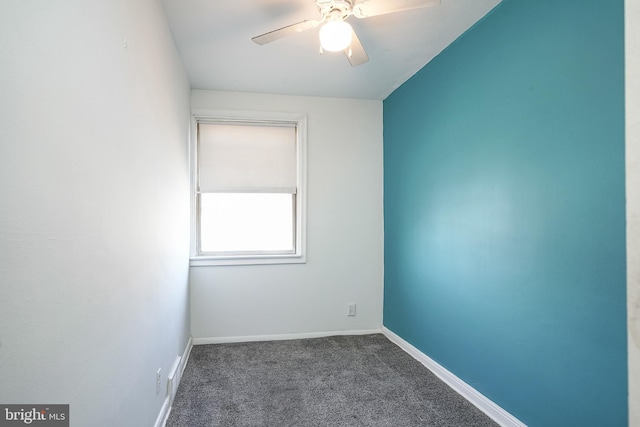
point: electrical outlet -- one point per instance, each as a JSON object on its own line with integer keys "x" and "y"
{"x": 158, "y": 380}
{"x": 351, "y": 309}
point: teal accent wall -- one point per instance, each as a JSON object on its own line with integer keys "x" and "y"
{"x": 505, "y": 211}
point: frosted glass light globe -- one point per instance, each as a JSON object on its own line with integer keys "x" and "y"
{"x": 335, "y": 36}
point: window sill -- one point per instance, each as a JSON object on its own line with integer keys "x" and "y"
{"x": 206, "y": 261}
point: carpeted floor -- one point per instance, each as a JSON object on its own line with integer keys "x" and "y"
{"x": 336, "y": 381}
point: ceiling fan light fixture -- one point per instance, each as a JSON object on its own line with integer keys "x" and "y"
{"x": 335, "y": 36}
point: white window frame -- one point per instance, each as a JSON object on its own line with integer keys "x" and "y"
{"x": 273, "y": 118}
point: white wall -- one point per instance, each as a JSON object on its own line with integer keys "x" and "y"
{"x": 344, "y": 232}
{"x": 632, "y": 59}
{"x": 94, "y": 197}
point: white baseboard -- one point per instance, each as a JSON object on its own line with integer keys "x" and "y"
{"x": 495, "y": 412}
{"x": 161, "y": 420}
{"x": 281, "y": 337}
{"x": 185, "y": 355}
{"x": 164, "y": 413}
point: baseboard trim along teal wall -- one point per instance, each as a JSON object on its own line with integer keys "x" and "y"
{"x": 495, "y": 412}
{"x": 504, "y": 204}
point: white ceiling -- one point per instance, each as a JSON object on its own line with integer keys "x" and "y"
{"x": 214, "y": 40}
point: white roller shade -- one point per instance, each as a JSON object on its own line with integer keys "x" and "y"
{"x": 239, "y": 158}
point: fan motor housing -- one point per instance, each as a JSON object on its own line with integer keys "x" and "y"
{"x": 335, "y": 9}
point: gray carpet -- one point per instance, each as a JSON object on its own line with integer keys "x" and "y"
{"x": 336, "y": 381}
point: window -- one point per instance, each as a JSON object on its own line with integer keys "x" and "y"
{"x": 248, "y": 181}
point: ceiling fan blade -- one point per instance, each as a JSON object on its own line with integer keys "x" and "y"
{"x": 284, "y": 32}
{"x": 368, "y": 8}
{"x": 356, "y": 53}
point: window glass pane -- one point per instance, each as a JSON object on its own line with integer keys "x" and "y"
{"x": 240, "y": 222}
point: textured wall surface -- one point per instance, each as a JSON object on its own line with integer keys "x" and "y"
{"x": 505, "y": 211}
{"x": 632, "y": 63}
{"x": 94, "y": 211}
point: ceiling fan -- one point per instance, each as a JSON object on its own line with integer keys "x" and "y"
{"x": 336, "y": 34}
